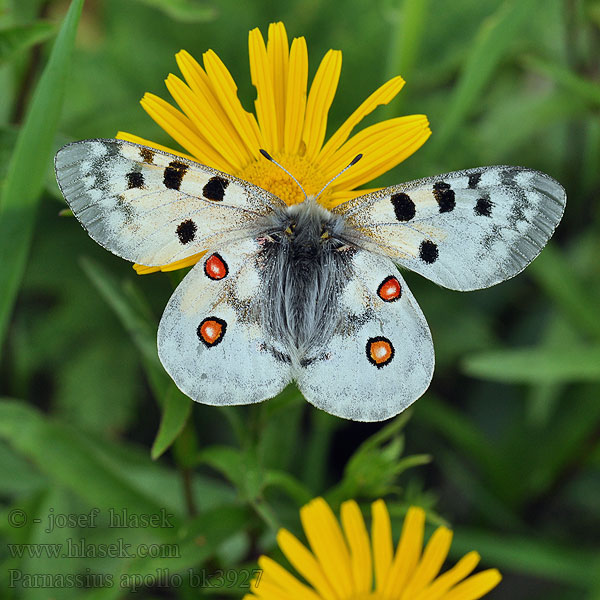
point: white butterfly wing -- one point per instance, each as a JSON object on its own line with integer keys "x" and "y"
{"x": 152, "y": 207}
{"x": 465, "y": 230}
{"x": 210, "y": 340}
{"x": 380, "y": 360}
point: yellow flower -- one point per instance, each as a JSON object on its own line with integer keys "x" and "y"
{"x": 290, "y": 124}
{"x": 345, "y": 565}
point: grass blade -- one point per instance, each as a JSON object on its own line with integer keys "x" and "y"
{"x": 553, "y": 272}
{"x": 141, "y": 331}
{"x": 589, "y": 91}
{"x": 491, "y": 44}
{"x": 537, "y": 365}
{"x": 29, "y": 165}
{"x": 529, "y": 555}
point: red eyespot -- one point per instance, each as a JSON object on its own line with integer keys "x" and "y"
{"x": 389, "y": 289}
{"x": 211, "y": 331}
{"x": 379, "y": 351}
{"x": 215, "y": 267}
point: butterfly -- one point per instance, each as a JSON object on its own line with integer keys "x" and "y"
{"x": 301, "y": 293}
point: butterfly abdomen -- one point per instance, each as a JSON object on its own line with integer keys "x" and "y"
{"x": 305, "y": 266}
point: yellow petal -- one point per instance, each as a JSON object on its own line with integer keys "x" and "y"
{"x": 274, "y": 574}
{"x": 208, "y": 102}
{"x": 144, "y": 270}
{"x": 381, "y": 534}
{"x": 183, "y": 131}
{"x": 408, "y": 552}
{"x": 217, "y": 133}
{"x": 358, "y": 540}
{"x": 320, "y": 97}
{"x": 327, "y": 542}
{"x": 296, "y": 96}
{"x": 278, "y": 55}
{"x": 136, "y": 139}
{"x": 178, "y": 264}
{"x": 225, "y": 89}
{"x": 336, "y": 198}
{"x": 476, "y": 586}
{"x": 267, "y": 590}
{"x": 438, "y": 588}
{"x": 305, "y": 563}
{"x": 383, "y": 95}
{"x": 433, "y": 558}
{"x": 262, "y": 79}
{"x": 382, "y": 146}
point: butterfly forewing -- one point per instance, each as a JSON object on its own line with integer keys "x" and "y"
{"x": 464, "y": 230}
{"x": 210, "y": 338}
{"x": 380, "y": 360}
{"x": 152, "y": 207}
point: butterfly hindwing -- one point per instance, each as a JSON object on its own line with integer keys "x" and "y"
{"x": 380, "y": 359}
{"x": 464, "y": 230}
{"x": 154, "y": 208}
{"x": 210, "y": 340}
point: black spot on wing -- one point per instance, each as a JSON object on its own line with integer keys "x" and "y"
{"x": 173, "y": 175}
{"x": 428, "y": 252}
{"x": 147, "y": 155}
{"x": 135, "y": 180}
{"x": 444, "y": 196}
{"x": 483, "y": 207}
{"x": 186, "y": 231}
{"x": 215, "y": 189}
{"x": 404, "y": 207}
{"x": 474, "y": 179}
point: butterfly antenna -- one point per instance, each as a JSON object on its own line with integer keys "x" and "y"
{"x": 352, "y": 163}
{"x": 269, "y": 157}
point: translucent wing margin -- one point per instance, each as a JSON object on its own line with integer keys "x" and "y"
{"x": 464, "y": 230}
{"x": 152, "y": 207}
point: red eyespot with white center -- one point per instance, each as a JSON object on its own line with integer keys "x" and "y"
{"x": 211, "y": 331}
{"x": 390, "y": 289}
{"x": 380, "y": 351}
{"x": 215, "y": 267}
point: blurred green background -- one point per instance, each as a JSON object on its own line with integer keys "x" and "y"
{"x": 505, "y": 446}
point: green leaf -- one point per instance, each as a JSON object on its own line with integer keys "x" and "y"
{"x": 241, "y": 468}
{"x": 373, "y": 469}
{"x": 299, "y": 493}
{"x": 186, "y": 11}
{"x": 489, "y": 47}
{"x": 536, "y": 365}
{"x": 29, "y": 164}
{"x": 176, "y": 411}
{"x": 16, "y": 38}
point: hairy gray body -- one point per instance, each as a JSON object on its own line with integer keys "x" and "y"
{"x": 305, "y": 263}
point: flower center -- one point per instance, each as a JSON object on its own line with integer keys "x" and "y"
{"x": 270, "y": 177}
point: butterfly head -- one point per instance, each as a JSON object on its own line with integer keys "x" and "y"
{"x": 307, "y": 227}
